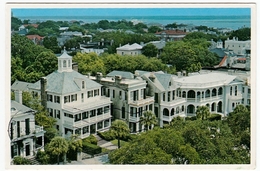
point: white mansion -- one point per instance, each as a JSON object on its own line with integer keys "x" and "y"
{"x": 73, "y": 100}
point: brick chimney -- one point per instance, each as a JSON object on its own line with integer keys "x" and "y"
{"x": 43, "y": 92}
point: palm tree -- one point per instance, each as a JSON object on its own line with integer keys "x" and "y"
{"x": 119, "y": 129}
{"x": 75, "y": 144}
{"x": 202, "y": 112}
{"x": 148, "y": 119}
{"x": 58, "y": 146}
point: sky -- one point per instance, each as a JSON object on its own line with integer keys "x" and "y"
{"x": 21, "y": 12}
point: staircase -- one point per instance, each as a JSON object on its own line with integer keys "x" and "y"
{"x": 33, "y": 160}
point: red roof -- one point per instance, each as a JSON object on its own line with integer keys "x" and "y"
{"x": 172, "y": 32}
{"x": 35, "y": 36}
{"x": 241, "y": 59}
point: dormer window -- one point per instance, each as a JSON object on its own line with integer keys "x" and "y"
{"x": 83, "y": 84}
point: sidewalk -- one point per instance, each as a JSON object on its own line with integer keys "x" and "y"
{"x": 99, "y": 160}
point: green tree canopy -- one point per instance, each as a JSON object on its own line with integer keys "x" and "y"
{"x": 202, "y": 112}
{"x": 119, "y": 129}
{"x": 148, "y": 119}
{"x": 58, "y": 146}
{"x": 150, "y": 50}
{"x": 242, "y": 34}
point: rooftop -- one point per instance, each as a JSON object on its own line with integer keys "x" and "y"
{"x": 134, "y": 46}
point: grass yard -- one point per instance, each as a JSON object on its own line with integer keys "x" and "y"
{"x": 122, "y": 143}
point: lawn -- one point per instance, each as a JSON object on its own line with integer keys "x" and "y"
{"x": 122, "y": 143}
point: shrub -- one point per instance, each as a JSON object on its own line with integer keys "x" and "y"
{"x": 91, "y": 148}
{"x": 42, "y": 157}
{"x": 90, "y": 139}
{"x": 106, "y": 135}
{"x": 214, "y": 117}
{"x": 18, "y": 160}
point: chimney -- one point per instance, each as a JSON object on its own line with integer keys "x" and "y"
{"x": 75, "y": 66}
{"x": 152, "y": 76}
{"x": 89, "y": 75}
{"x": 179, "y": 74}
{"x": 98, "y": 76}
{"x": 43, "y": 92}
{"x": 234, "y": 38}
{"x": 184, "y": 73}
{"x": 118, "y": 78}
{"x": 136, "y": 74}
{"x": 18, "y": 96}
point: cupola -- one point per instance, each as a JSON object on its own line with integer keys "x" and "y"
{"x": 65, "y": 62}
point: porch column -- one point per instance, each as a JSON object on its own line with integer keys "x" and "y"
{"x": 42, "y": 141}
{"x": 195, "y": 96}
{"x": 137, "y": 127}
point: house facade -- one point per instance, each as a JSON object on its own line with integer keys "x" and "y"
{"x": 73, "y": 100}
{"x": 134, "y": 49}
{"x": 26, "y": 138}
{"x": 181, "y": 95}
{"x": 129, "y": 97}
{"x": 238, "y": 47}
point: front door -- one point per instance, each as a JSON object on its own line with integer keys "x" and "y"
{"x": 27, "y": 150}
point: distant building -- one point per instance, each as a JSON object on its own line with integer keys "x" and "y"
{"x": 36, "y": 39}
{"x": 134, "y": 49}
{"x": 238, "y": 47}
{"x": 171, "y": 35}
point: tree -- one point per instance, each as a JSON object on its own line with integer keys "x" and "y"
{"x": 51, "y": 43}
{"x": 18, "y": 160}
{"x": 150, "y": 50}
{"x": 202, "y": 112}
{"x": 154, "y": 29}
{"x": 15, "y": 23}
{"x": 119, "y": 129}
{"x": 75, "y": 146}
{"x": 58, "y": 146}
{"x": 148, "y": 119}
{"x": 242, "y": 34}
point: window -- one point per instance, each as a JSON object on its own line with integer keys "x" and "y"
{"x": 27, "y": 126}
{"x": 73, "y": 97}
{"x": 51, "y": 112}
{"x": 235, "y": 90}
{"x": 77, "y": 117}
{"x": 49, "y": 97}
{"x": 82, "y": 97}
{"x": 123, "y": 112}
{"x": 230, "y": 91}
{"x": 173, "y": 94}
{"x": 100, "y": 125}
{"x": 90, "y": 94}
{"x": 106, "y": 124}
{"x": 108, "y": 92}
{"x": 163, "y": 96}
{"x": 243, "y": 101}
{"x": 68, "y": 63}
{"x": 58, "y": 114}
{"x": 248, "y": 101}
{"x": 233, "y": 105}
{"x": 96, "y": 92}
{"x": 106, "y": 109}
{"x": 64, "y": 63}
{"x": 125, "y": 95}
{"x": 100, "y": 111}
{"x": 68, "y": 115}
{"x": 120, "y": 94}
{"x": 85, "y": 129}
{"x": 156, "y": 99}
{"x": 243, "y": 89}
{"x": 58, "y": 127}
{"x": 83, "y": 84}
{"x": 84, "y": 115}
{"x": 78, "y": 131}
{"x": 249, "y": 91}
{"x": 113, "y": 93}
{"x": 169, "y": 96}
{"x": 57, "y": 99}
{"x": 66, "y": 99}
{"x": 92, "y": 113}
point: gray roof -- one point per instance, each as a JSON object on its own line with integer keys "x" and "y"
{"x": 19, "y": 108}
{"x": 20, "y": 85}
{"x": 64, "y": 82}
{"x": 220, "y": 52}
{"x": 164, "y": 79}
{"x": 157, "y": 44}
{"x": 123, "y": 74}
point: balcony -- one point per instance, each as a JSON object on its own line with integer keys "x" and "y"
{"x": 142, "y": 102}
{"x": 88, "y": 121}
{"x": 134, "y": 118}
{"x": 173, "y": 103}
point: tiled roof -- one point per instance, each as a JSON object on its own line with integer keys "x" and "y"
{"x": 158, "y": 44}
{"x": 32, "y": 37}
{"x": 123, "y": 74}
{"x": 34, "y": 25}
{"x": 19, "y": 108}
{"x": 64, "y": 82}
{"x": 164, "y": 79}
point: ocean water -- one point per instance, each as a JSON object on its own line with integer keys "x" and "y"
{"x": 232, "y": 22}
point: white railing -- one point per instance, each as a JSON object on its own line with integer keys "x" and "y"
{"x": 237, "y": 97}
{"x": 38, "y": 129}
{"x": 134, "y": 118}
